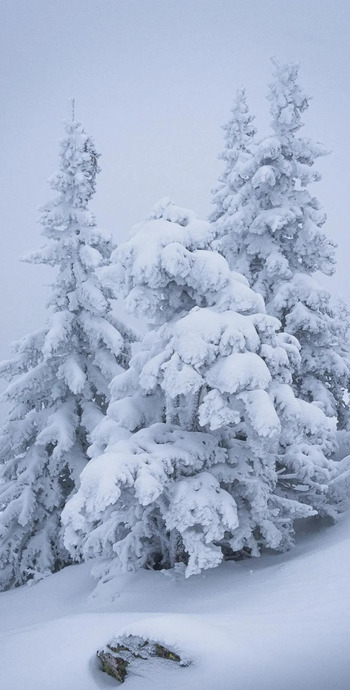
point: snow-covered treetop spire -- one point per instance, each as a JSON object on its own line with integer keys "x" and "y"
{"x": 240, "y": 129}
{"x": 239, "y": 135}
{"x": 287, "y": 98}
{"x": 74, "y": 243}
{"x": 76, "y": 179}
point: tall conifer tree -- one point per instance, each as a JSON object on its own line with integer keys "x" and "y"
{"x": 59, "y": 376}
{"x": 269, "y": 226}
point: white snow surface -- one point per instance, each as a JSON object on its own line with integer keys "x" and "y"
{"x": 277, "y": 622}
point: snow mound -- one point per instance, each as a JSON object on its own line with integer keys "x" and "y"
{"x": 269, "y": 623}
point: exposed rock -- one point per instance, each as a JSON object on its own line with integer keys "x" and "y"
{"x": 123, "y": 651}
{"x": 115, "y": 666}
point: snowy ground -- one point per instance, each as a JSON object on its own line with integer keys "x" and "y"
{"x": 274, "y": 623}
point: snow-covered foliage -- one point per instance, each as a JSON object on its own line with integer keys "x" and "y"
{"x": 210, "y": 453}
{"x": 239, "y": 136}
{"x": 269, "y": 227}
{"x": 58, "y": 378}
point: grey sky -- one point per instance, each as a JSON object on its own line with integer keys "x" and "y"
{"x": 153, "y": 82}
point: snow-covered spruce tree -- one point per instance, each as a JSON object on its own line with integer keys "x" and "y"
{"x": 59, "y": 376}
{"x": 216, "y": 455}
{"x": 269, "y": 227}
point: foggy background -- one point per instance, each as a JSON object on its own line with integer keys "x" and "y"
{"x": 153, "y": 81}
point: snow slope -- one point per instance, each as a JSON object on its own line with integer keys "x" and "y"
{"x": 274, "y": 623}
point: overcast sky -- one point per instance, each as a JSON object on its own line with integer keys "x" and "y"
{"x": 153, "y": 82}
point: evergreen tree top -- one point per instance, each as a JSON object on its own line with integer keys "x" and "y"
{"x": 68, "y": 214}
{"x": 76, "y": 179}
{"x": 239, "y": 137}
{"x": 73, "y": 241}
{"x": 239, "y": 130}
{"x": 288, "y": 100}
